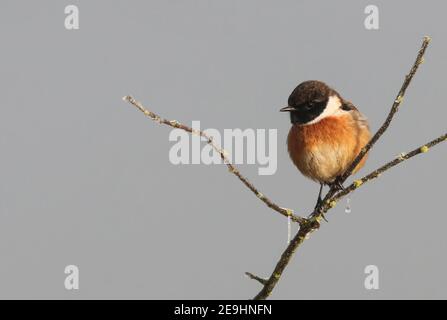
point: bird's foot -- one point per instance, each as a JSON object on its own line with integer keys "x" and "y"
{"x": 324, "y": 218}
{"x": 319, "y": 203}
{"x": 337, "y": 185}
{"x": 316, "y": 214}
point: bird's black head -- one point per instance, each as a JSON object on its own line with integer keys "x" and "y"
{"x": 308, "y": 101}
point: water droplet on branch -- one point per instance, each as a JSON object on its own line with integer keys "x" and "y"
{"x": 348, "y": 205}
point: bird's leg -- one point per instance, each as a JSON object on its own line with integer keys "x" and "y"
{"x": 319, "y": 203}
{"x": 319, "y": 200}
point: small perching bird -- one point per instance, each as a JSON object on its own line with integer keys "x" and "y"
{"x": 327, "y": 133}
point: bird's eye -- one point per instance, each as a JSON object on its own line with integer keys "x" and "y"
{"x": 314, "y": 103}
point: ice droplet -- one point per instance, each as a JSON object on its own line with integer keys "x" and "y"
{"x": 348, "y": 205}
{"x": 289, "y": 228}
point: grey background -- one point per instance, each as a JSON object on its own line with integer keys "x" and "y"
{"x": 85, "y": 179}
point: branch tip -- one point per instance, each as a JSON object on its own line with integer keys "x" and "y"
{"x": 255, "y": 277}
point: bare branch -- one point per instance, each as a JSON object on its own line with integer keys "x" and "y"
{"x": 394, "y": 109}
{"x": 223, "y": 154}
{"x": 401, "y": 158}
{"x": 286, "y": 256}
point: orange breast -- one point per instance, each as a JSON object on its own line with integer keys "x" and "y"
{"x": 324, "y": 150}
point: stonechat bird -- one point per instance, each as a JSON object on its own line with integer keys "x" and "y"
{"x": 327, "y": 133}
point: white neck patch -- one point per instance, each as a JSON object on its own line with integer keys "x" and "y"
{"x": 332, "y": 108}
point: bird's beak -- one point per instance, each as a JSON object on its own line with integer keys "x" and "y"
{"x": 288, "y": 108}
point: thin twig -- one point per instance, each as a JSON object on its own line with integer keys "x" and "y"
{"x": 255, "y": 277}
{"x": 394, "y": 109}
{"x": 376, "y": 173}
{"x": 223, "y": 154}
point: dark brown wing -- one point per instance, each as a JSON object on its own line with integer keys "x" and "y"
{"x": 356, "y": 114}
